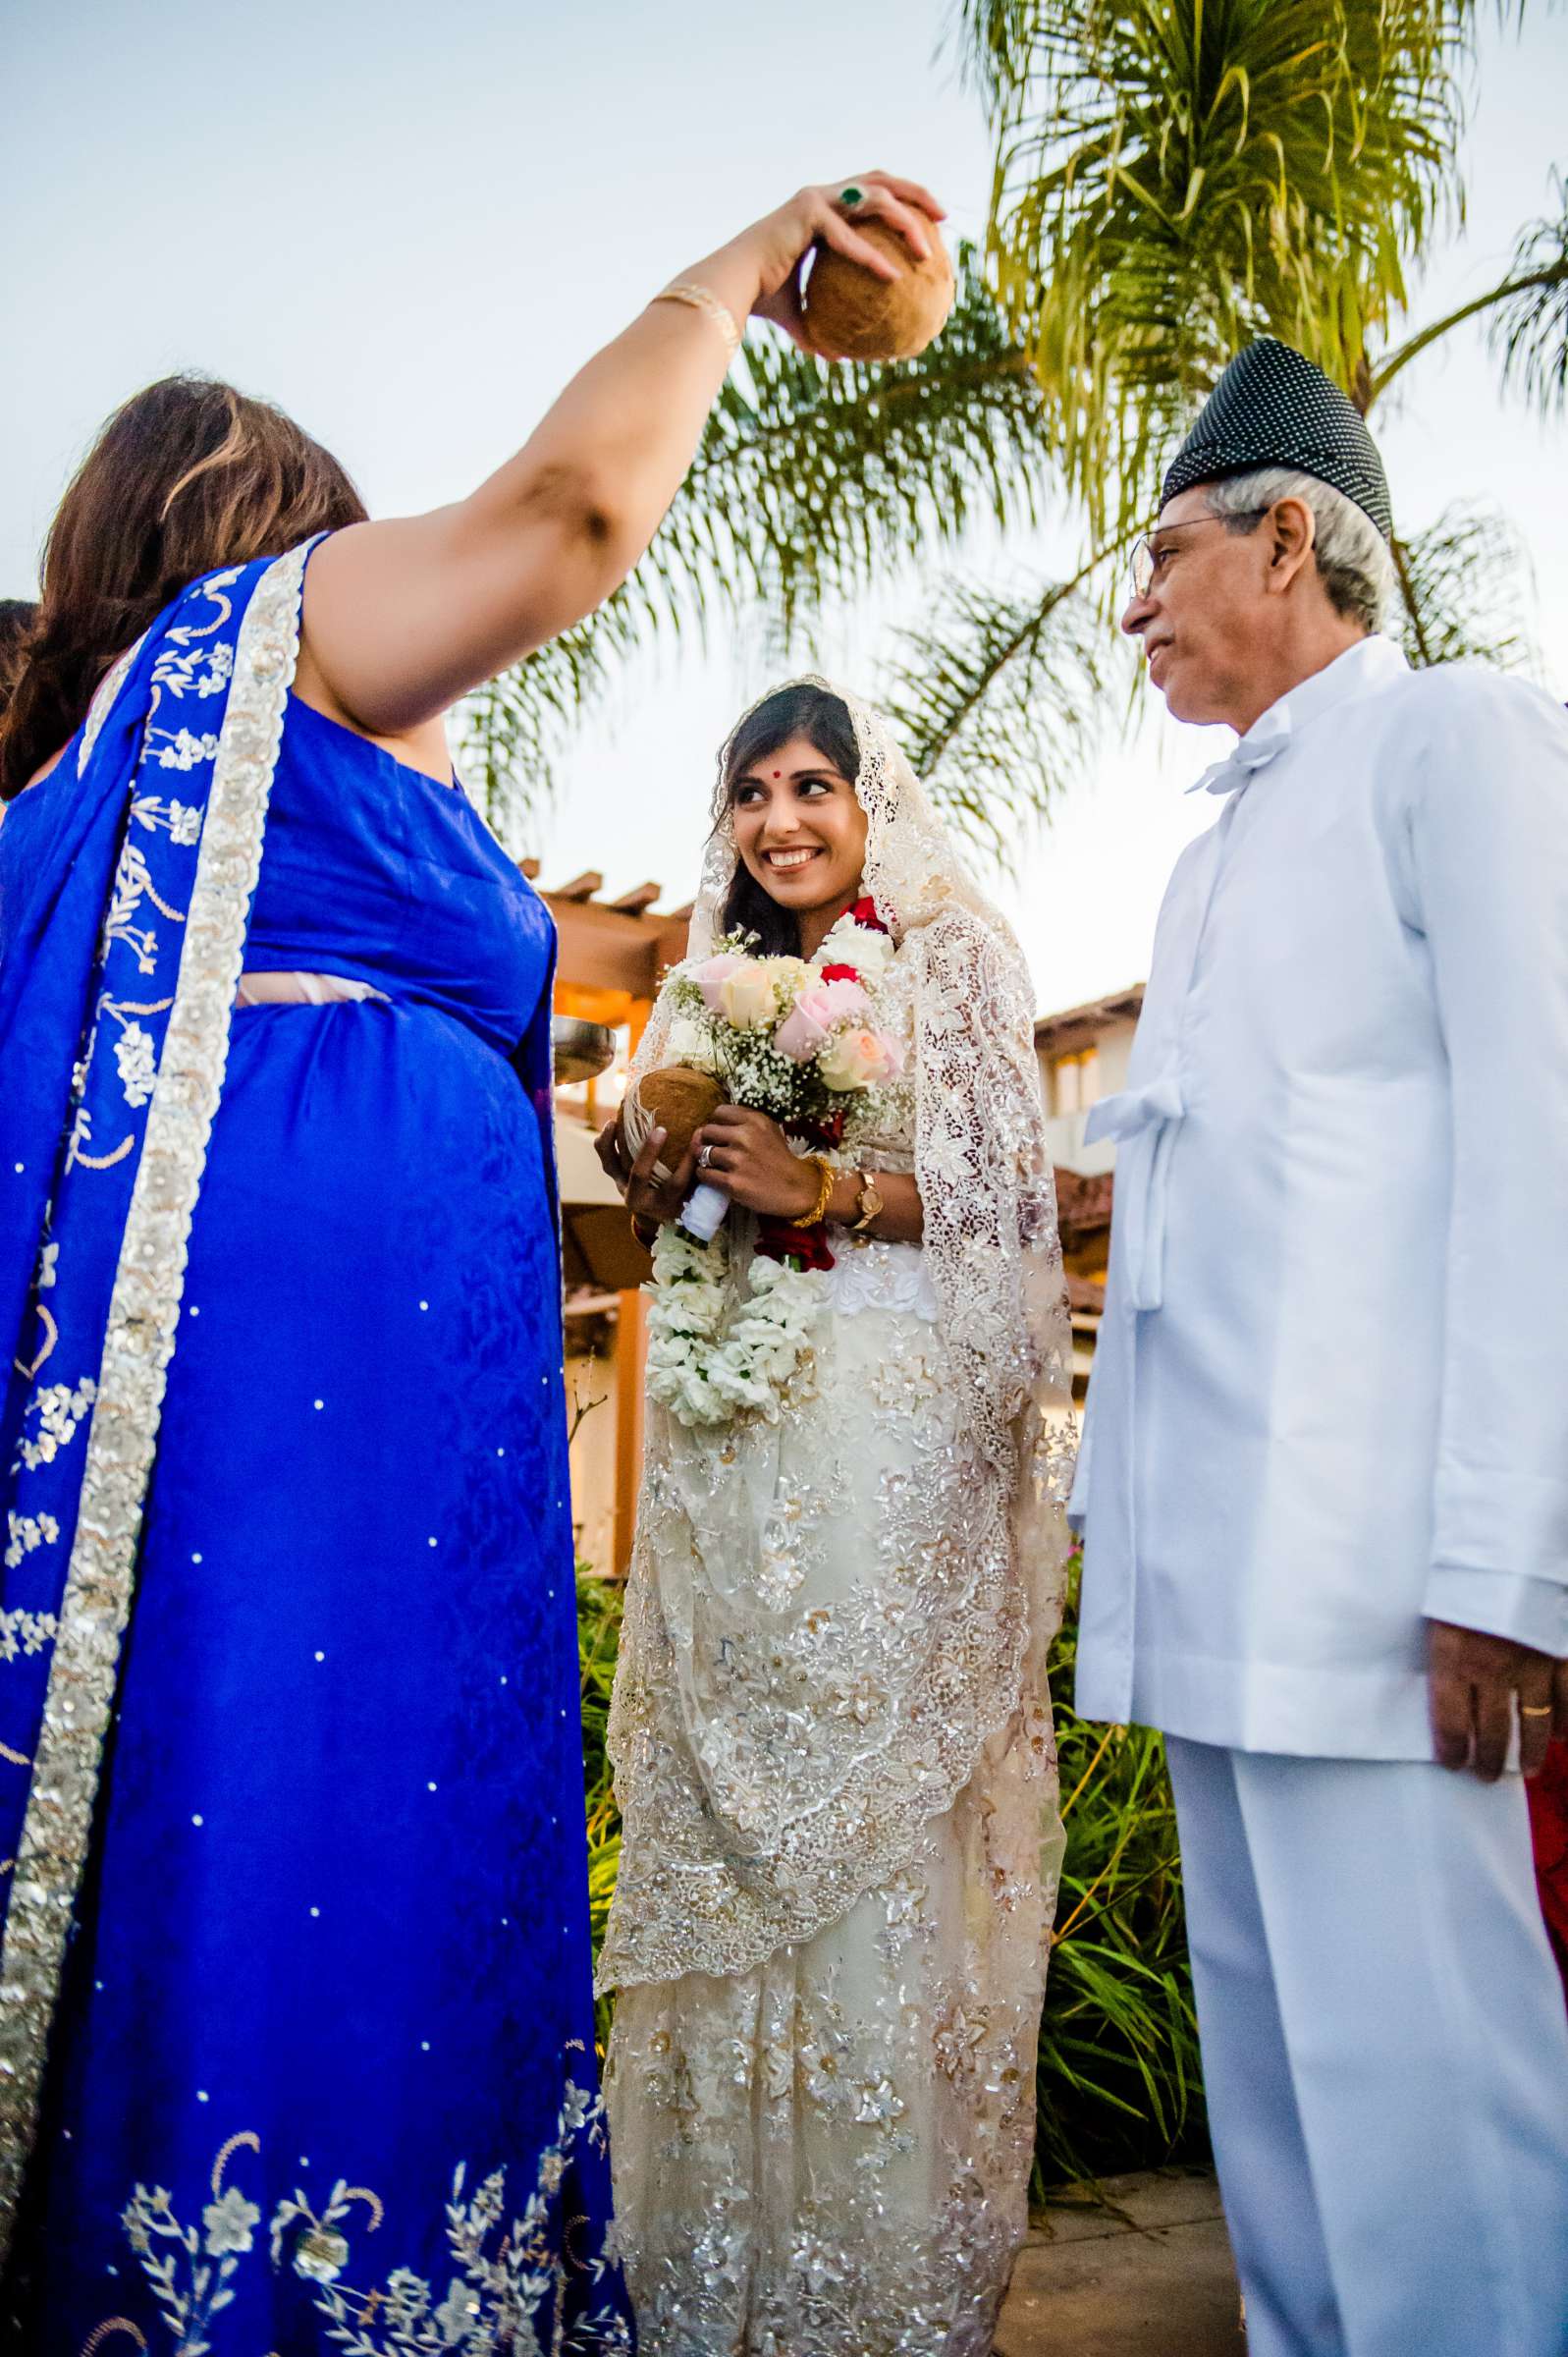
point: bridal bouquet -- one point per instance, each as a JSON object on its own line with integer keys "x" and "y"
{"x": 799, "y": 1040}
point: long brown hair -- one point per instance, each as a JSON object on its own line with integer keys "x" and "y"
{"x": 187, "y": 476}
{"x": 18, "y": 616}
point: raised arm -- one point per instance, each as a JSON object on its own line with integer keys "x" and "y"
{"x": 403, "y": 617}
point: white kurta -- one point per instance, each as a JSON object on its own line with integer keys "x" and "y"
{"x": 1331, "y": 1395}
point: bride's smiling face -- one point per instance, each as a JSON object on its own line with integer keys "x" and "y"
{"x": 798, "y": 828}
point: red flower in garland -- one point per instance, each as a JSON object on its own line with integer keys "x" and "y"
{"x": 839, "y": 973}
{"x": 777, "y": 1239}
{"x": 864, "y": 913}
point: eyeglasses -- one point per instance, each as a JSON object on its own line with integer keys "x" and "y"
{"x": 1146, "y": 558}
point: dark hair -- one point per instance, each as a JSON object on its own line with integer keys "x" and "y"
{"x": 17, "y": 618}
{"x": 187, "y": 475}
{"x": 822, "y": 718}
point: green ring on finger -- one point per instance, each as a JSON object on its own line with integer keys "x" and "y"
{"x": 851, "y": 196}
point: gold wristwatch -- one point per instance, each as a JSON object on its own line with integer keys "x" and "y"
{"x": 868, "y": 1203}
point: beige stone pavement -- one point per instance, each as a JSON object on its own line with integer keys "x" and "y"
{"x": 1143, "y": 2272}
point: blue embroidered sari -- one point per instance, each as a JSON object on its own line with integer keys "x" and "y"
{"x": 295, "y": 2034}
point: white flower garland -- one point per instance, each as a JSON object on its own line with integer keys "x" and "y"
{"x": 864, "y": 947}
{"x": 708, "y": 1367}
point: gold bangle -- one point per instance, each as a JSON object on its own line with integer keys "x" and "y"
{"x": 713, "y": 307}
{"x": 826, "y": 1181}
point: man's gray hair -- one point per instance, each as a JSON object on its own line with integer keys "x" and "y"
{"x": 1353, "y": 558}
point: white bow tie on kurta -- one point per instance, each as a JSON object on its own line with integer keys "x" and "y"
{"x": 1266, "y": 738}
{"x": 1141, "y": 1123}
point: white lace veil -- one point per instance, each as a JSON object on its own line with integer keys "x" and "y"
{"x": 988, "y": 1190}
{"x": 912, "y": 868}
{"x": 985, "y": 1175}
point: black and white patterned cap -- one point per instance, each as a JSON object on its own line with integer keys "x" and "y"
{"x": 1274, "y": 408}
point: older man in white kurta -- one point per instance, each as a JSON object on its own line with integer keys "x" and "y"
{"x": 1326, "y": 1480}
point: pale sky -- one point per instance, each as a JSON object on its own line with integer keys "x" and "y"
{"x": 409, "y": 225}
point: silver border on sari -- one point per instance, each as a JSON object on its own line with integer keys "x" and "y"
{"x": 103, "y": 701}
{"x": 138, "y": 1344}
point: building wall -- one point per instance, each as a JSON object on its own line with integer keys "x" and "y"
{"x": 1073, "y": 1083}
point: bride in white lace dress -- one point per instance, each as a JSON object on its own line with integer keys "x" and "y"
{"x": 831, "y": 1729}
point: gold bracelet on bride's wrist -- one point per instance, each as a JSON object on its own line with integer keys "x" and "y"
{"x": 712, "y": 306}
{"x": 826, "y": 1181}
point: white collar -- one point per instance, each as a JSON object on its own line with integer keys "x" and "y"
{"x": 1370, "y": 661}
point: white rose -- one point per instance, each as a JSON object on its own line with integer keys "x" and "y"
{"x": 871, "y": 952}
{"x": 789, "y": 975}
{"x": 688, "y": 1043}
{"x": 746, "y": 997}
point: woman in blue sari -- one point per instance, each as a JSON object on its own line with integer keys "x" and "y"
{"x": 296, "y": 2035}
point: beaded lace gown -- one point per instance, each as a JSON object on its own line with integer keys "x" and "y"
{"x": 831, "y": 1728}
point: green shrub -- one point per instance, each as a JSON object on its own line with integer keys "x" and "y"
{"x": 1120, "y": 2086}
{"x": 599, "y": 1606}
{"x": 1118, "y": 2079}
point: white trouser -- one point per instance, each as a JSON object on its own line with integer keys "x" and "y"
{"x": 1385, "y": 2053}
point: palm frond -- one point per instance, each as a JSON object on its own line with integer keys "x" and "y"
{"x": 1466, "y": 589}
{"x": 1529, "y": 329}
{"x": 811, "y": 483}
{"x": 1176, "y": 176}
{"x": 998, "y": 700}
{"x": 511, "y": 733}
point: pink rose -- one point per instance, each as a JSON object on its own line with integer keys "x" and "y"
{"x": 712, "y": 974}
{"x": 805, "y": 1030}
{"x": 860, "y": 1059}
{"x": 817, "y": 1011}
{"x": 845, "y": 1002}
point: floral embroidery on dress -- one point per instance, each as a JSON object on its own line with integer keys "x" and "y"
{"x": 25, "y": 1532}
{"x": 133, "y": 884}
{"x": 132, "y": 1053}
{"x": 505, "y": 2299}
{"x": 180, "y": 821}
{"x": 185, "y": 666}
{"x": 59, "y": 1410}
{"x": 875, "y": 1275}
{"x": 24, "y": 1633}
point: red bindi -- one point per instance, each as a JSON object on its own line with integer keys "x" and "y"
{"x": 778, "y": 773}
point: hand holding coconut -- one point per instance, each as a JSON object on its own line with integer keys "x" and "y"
{"x": 650, "y": 1147}
{"x": 880, "y": 283}
{"x": 666, "y": 1110}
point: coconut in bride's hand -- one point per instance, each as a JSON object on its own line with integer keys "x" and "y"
{"x": 677, "y": 1100}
